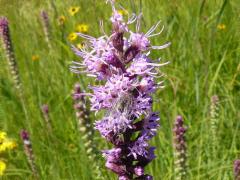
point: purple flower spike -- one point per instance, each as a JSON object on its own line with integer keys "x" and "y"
{"x": 85, "y": 128}
{"x": 3, "y": 24}
{"x": 6, "y": 41}
{"x": 46, "y": 26}
{"x": 214, "y": 120}
{"x": 121, "y": 61}
{"x": 236, "y": 169}
{"x": 45, "y": 111}
{"x": 180, "y": 148}
{"x": 29, "y": 152}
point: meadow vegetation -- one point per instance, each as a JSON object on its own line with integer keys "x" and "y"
{"x": 202, "y": 84}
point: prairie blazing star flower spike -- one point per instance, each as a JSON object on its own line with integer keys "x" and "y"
{"x": 214, "y": 113}
{"x": 236, "y": 169}
{"x": 5, "y": 38}
{"x": 85, "y": 128}
{"x": 82, "y": 114}
{"x": 46, "y": 26}
{"x": 180, "y": 149}
{"x": 45, "y": 111}
{"x": 7, "y": 45}
{"x": 121, "y": 61}
{"x": 29, "y": 152}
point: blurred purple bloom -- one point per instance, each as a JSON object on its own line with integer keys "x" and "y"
{"x": 45, "y": 108}
{"x": 29, "y": 152}
{"x": 24, "y": 135}
{"x": 180, "y": 148}
{"x": 46, "y": 26}
{"x": 6, "y": 41}
{"x": 236, "y": 169}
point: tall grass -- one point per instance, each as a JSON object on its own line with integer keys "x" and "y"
{"x": 204, "y": 62}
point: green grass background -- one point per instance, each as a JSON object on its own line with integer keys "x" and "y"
{"x": 204, "y": 61}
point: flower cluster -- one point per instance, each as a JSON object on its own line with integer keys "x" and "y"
{"x": 82, "y": 115}
{"x": 2, "y": 167}
{"x": 214, "y": 120}
{"x": 61, "y": 20}
{"x": 5, "y": 38}
{"x": 121, "y": 61}
{"x": 29, "y": 152}
{"x": 46, "y": 26}
{"x": 180, "y": 148}
{"x": 82, "y": 28}
{"x": 236, "y": 169}
{"x": 45, "y": 112}
{"x": 221, "y": 26}
{"x": 86, "y": 129}
{"x": 6, "y": 144}
{"x": 73, "y": 10}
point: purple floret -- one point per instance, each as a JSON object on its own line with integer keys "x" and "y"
{"x": 24, "y": 135}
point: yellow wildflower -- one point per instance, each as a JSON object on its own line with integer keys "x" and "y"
{"x": 73, "y": 10}
{"x": 11, "y": 144}
{"x": 80, "y": 45}
{"x": 122, "y": 12}
{"x": 72, "y": 36}
{"x": 2, "y": 136}
{"x": 3, "y": 147}
{"x": 61, "y": 20}
{"x": 83, "y": 28}
{"x": 71, "y": 146}
{"x": 35, "y": 57}
{"x": 2, "y": 167}
{"x": 221, "y": 26}
{"x": 7, "y": 145}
